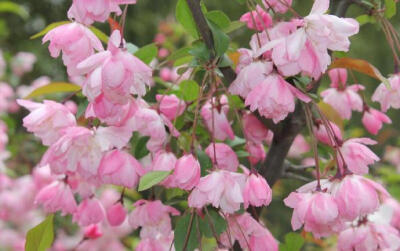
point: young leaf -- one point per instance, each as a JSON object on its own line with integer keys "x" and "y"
{"x": 100, "y": 35}
{"x": 390, "y": 8}
{"x": 82, "y": 108}
{"x": 219, "y": 18}
{"x": 204, "y": 160}
{"x": 151, "y": 179}
{"x": 48, "y": 28}
{"x": 293, "y": 242}
{"x": 140, "y": 148}
{"x": 40, "y": 237}
{"x": 181, "y": 233}
{"x": 190, "y": 90}
{"x": 8, "y": 6}
{"x": 185, "y": 18}
{"x": 55, "y": 87}
{"x": 147, "y": 53}
{"x": 221, "y": 40}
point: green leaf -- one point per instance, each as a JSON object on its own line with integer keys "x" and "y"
{"x": 390, "y": 8}
{"x": 204, "y": 160}
{"x": 48, "y": 28}
{"x": 185, "y": 18}
{"x": 55, "y": 87}
{"x": 40, "y": 237}
{"x": 151, "y": 179}
{"x": 237, "y": 141}
{"x": 100, "y": 35}
{"x": 218, "y": 222}
{"x": 180, "y": 233}
{"x": 219, "y": 18}
{"x": 183, "y": 52}
{"x": 235, "y": 25}
{"x": 147, "y": 53}
{"x": 242, "y": 154}
{"x": 365, "y": 19}
{"x": 140, "y": 148}
{"x": 221, "y": 40}
{"x": 10, "y": 7}
{"x": 82, "y": 108}
{"x": 293, "y": 242}
{"x": 190, "y": 90}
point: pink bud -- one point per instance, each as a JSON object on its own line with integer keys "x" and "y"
{"x": 171, "y": 106}
{"x": 321, "y": 132}
{"x": 256, "y": 152}
{"x": 93, "y": 232}
{"x": 226, "y": 158}
{"x": 338, "y": 77}
{"x": 116, "y": 214}
{"x": 90, "y": 211}
{"x": 257, "y": 20}
{"x": 187, "y": 172}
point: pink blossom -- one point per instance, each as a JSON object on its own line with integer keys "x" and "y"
{"x": 344, "y": 100}
{"x": 47, "y": 120}
{"x": 76, "y": 41}
{"x": 388, "y": 96}
{"x": 6, "y": 97}
{"x": 369, "y": 236}
{"x": 22, "y": 63}
{"x": 250, "y": 76}
{"x": 119, "y": 168}
{"x": 250, "y": 234}
{"x": 223, "y": 156}
{"x": 256, "y": 152}
{"x": 93, "y": 231}
{"x": 357, "y": 196}
{"x": 299, "y": 147}
{"x": 216, "y": 119}
{"x": 257, "y": 20}
{"x": 89, "y": 11}
{"x": 170, "y": 106}
{"x": 325, "y": 135}
{"x": 57, "y": 197}
{"x": 274, "y": 98}
{"x": 317, "y": 211}
{"x": 116, "y": 214}
{"x": 153, "y": 217}
{"x": 72, "y": 106}
{"x": 90, "y": 211}
{"x": 338, "y": 77}
{"x": 357, "y": 156}
{"x": 373, "y": 120}
{"x": 115, "y": 72}
{"x": 280, "y": 6}
{"x": 186, "y": 174}
{"x": 222, "y": 189}
{"x": 165, "y": 161}
{"x": 256, "y": 191}
{"x": 160, "y": 243}
{"x": 254, "y": 130}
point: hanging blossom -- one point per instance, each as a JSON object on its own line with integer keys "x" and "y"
{"x": 388, "y": 96}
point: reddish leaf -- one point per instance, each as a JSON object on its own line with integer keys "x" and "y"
{"x": 358, "y": 65}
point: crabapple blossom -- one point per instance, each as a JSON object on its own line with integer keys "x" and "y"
{"x": 171, "y": 106}
{"x": 299, "y": 147}
{"x": 22, "y": 63}
{"x": 256, "y": 152}
{"x": 257, "y": 19}
{"x": 256, "y": 191}
{"x": 90, "y": 11}
{"x": 57, "y": 196}
{"x": 6, "y": 96}
{"x": 186, "y": 174}
{"x": 223, "y": 156}
{"x": 90, "y": 211}
{"x": 47, "y": 120}
{"x": 357, "y": 156}
{"x": 280, "y": 6}
{"x": 254, "y": 130}
{"x": 116, "y": 214}
{"x": 388, "y": 96}
{"x": 93, "y": 231}
{"x": 324, "y": 134}
{"x": 374, "y": 119}
{"x": 164, "y": 161}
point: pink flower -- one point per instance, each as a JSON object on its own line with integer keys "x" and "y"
{"x": 223, "y": 156}
{"x": 165, "y": 161}
{"x": 357, "y": 156}
{"x": 57, "y": 197}
{"x": 153, "y": 217}
{"x": 254, "y": 130}
{"x": 250, "y": 234}
{"x": 186, "y": 173}
{"x": 6, "y": 97}
{"x": 299, "y": 147}
{"x": 388, "y": 96}
{"x": 274, "y": 98}
{"x": 257, "y": 20}
{"x": 89, "y": 11}
{"x": 22, "y": 63}
{"x": 160, "y": 243}
{"x": 76, "y": 42}
{"x": 216, "y": 119}
{"x": 116, "y": 214}
{"x": 317, "y": 211}
{"x": 250, "y": 76}
{"x": 369, "y": 236}
{"x": 321, "y": 132}
{"x": 171, "y": 106}
{"x": 373, "y": 120}
{"x": 93, "y": 231}
{"x": 280, "y": 6}
{"x": 115, "y": 72}
{"x": 256, "y": 191}
{"x": 47, "y": 120}
{"x": 120, "y": 168}
{"x": 256, "y": 152}
{"x": 357, "y": 196}
{"x": 222, "y": 189}
{"x": 343, "y": 99}
{"x": 90, "y": 211}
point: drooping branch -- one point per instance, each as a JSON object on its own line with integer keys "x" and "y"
{"x": 284, "y": 132}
